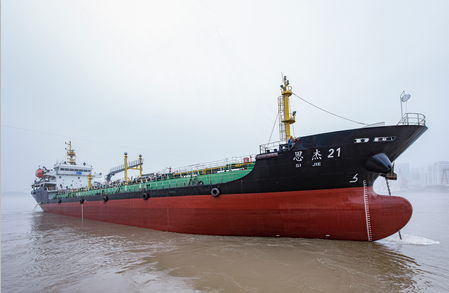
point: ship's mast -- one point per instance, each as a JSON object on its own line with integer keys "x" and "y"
{"x": 70, "y": 153}
{"x": 286, "y": 118}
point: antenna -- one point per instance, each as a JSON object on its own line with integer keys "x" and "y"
{"x": 403, "y": 99}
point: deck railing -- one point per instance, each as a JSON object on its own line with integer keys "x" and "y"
{"x": 210, "y": 167}
{"x": 413, "y": 119}
{"x": 272, "y": 147}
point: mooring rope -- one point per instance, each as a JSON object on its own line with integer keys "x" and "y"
{"x": 328, "y": 111}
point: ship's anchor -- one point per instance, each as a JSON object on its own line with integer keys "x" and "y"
{"x": 392, "y": 176}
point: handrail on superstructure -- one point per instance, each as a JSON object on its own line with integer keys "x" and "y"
{"x": 413, "y": 119}
{"x": 272, "y": 147}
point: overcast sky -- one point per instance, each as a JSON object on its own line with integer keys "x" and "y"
{"x": 186, "y": 82}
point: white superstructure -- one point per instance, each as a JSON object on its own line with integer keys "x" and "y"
{"x": 64, "y": 175}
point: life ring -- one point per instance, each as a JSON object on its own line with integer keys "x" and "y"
{"x": 59, "y": 200}
{"x": 81, "y": 201}
{"x": 215, "y": 192}
{"x": 105, "y": 198}
{"x": 145, "y": 196}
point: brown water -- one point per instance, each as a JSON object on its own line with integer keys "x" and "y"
{"x": 42, "y": 252}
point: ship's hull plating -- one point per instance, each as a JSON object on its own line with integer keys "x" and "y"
{"x": 321, "y": 188}
{"x": 347, "y": 213}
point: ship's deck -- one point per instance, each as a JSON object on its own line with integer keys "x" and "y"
{"x": 171, "y": 180}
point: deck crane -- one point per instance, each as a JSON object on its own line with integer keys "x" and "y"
{"x": 133, "y": 165}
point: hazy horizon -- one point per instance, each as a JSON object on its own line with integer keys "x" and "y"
{"x": 192, "y": 82}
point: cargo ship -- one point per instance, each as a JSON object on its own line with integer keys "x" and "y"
{"x": 317, "y": 186}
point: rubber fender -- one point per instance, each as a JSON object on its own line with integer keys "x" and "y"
{"x": 215, "y": 192}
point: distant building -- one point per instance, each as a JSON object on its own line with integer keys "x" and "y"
{"x": 425, "y": 177}
{"x": 404, "y": 178}
{"x": 439, "y": 170}
{"x": 436, "y": 174}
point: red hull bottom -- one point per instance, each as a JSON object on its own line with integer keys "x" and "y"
{"x": 345, "y": 214}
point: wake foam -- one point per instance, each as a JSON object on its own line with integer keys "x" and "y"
{"x": 408, "y": 239}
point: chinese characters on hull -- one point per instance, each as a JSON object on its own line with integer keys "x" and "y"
{"x": 317, "y": 157}
{"x": 298, "y": 158}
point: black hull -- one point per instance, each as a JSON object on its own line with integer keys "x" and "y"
{"x": 339, "y": 162}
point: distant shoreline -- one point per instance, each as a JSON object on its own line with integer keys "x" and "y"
{"x": 14, "y": 194}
